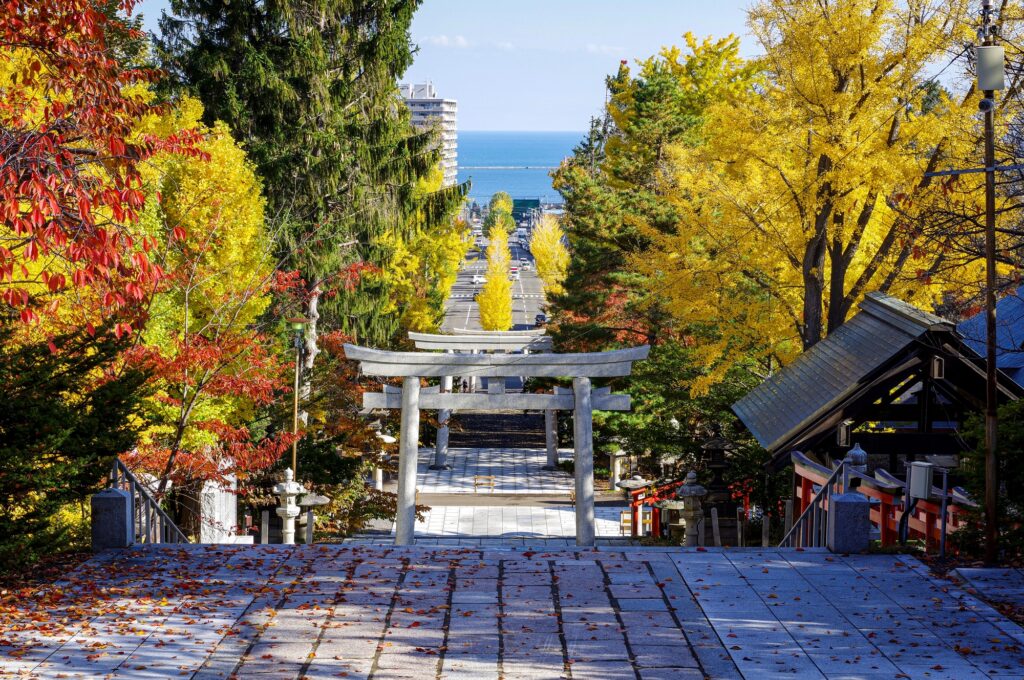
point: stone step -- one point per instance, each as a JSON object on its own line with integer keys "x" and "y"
{"x": 498, "y": 430}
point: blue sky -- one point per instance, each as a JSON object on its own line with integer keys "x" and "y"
{"x": 540, "y": 64}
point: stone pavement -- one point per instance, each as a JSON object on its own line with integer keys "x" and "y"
{"x": 1000, "y": 585}
{"x": 381, "y": 612}
{"x": 512, "y": 521}
{"x": 518, "y": 471}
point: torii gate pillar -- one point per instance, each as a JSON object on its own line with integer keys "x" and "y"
{"x": 583, "y": 443}
{"x": 408, "y": 453}
{"x": 441, "y": 442}
{"x": 551, "y": 438}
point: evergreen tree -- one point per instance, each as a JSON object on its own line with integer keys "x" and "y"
{"x": 309, "y": 86}
{"x": 614, "y": 187}
{"x": 66, "y": 415}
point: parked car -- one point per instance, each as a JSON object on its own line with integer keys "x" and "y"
{"x": 540, "y": 320}
{"x": 478, "y": 278}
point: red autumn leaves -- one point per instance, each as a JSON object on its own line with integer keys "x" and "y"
{"x": 69, "y": 181}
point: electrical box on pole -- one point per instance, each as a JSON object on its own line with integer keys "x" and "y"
{"x": 990, "y": 67}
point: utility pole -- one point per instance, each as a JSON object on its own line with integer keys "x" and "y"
{"x": 988, "y": 84}
{"x": 990, "y": 67}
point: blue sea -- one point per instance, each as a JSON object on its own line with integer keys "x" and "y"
{"x": 517, "y": 162}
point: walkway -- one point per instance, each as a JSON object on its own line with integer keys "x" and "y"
{"x": 511, "y": 521}
{"x": 430, "y": 613}
{"x": 518, "y": 471}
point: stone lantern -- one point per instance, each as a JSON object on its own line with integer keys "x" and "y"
{"x": 288, "y": 490}
{"x": 716, "y": 451}
{"x": 856, "y": 460}
{"x": 310, "y": 502}
{"x": 691, "y": 493}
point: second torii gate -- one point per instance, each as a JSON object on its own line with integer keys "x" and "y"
{"x": 477, "y": 342}
{"x": 412, "y": 367}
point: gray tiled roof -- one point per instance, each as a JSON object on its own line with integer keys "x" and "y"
{"x": 834, "y": 368}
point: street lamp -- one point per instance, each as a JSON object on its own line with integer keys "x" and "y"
{"x": 297, "y": 325}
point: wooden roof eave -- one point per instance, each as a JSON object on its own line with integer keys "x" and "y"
{"x": 829, "y": 416}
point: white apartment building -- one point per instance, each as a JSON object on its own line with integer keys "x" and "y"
{"x": 429, "y": 110}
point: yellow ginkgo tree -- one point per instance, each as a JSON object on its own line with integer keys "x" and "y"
{"x": 547, "y": 244}
{"x": 495, "y": 298}
{"x": 801, "y": 194}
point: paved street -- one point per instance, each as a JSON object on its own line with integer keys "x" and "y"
{"x": 527, "y": 293}
{"x": 331, "y": 611}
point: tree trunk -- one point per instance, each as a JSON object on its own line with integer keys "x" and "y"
{"x": 814, "y": 292}
{"x": 309, "y": 351}
{"x": 836, "y": 287}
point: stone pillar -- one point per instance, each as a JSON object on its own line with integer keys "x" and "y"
{"x": 443, "y": 415}
{"x": 378, "y": 478}
{"x": 551, "y": 438}
{"x": 218, "y": 508}
{"x": 113, "y": 519}
{"x": 849, "y": 523}
{"x": 472, "y": 376}
{"x": 583, "y": 443}
{"x": 408, "y": 452}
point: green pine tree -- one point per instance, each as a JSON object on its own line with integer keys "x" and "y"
{"x": 310, "y": 87}
{"x": 61, "y": 426}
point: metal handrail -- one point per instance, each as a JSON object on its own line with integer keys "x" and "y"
{"x": 810, "y": 530}
{"x": 151, "y": 523}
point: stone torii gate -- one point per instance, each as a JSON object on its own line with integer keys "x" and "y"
{"x": 412, "y": 367}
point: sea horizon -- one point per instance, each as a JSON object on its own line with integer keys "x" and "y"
{"x": 515, "y": 161}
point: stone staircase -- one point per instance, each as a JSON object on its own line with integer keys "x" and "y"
{"x": 501, "y": 430}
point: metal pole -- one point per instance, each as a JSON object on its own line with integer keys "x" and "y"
{"x": 991, "y": 395}
{"x": 944, "y": 510}
{"x": 295, "y": 405}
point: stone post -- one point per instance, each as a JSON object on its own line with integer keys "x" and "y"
{"x": 408, "y": 452}
{"x": 849, "y": 523}
{"x": 113, "y": 519}
{"x": 583, "y": 443}
{"x": 615, "y": 468}
{"x": 472, "y": 376}
{"x": 378, "y": 470}
{"x": 551, "y": 438}
{"x": 287, "y": 491}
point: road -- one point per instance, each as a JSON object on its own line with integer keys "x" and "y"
{"x": 527, "y": 293}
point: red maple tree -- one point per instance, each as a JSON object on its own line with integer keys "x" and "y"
{"x": 70, "y": 187}
{"x": 200, "y": 369}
